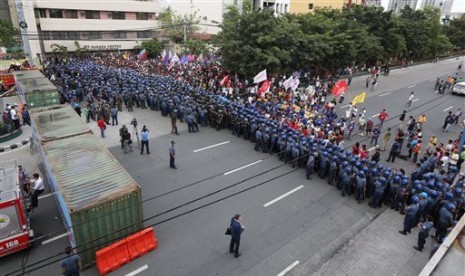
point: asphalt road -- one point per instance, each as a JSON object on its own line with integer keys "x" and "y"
{"x": 290, "y": 222}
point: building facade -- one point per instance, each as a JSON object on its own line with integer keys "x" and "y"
{"x": 306, "y": 6}
{"x": 210, "y": 13}
{"x": 95, "y": 25}
{"x": 279, "y": 6}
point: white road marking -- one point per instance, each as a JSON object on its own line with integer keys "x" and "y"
{"x": 283, "y": 196}
{"x": 376, "y": 115}
{"x": 384, "y": 94}
{"x": 413, "y": 85}
{"x": 370, "y": 149}
{"x": 212, "y": 146}
{"x": 289, "y": 268}
{"x": 414, "y": 100}
{"x": 344, "y": 106}
{"x": 55, "y": 238}
{"x": 137, "y": 271}
{"x": 243, "y": 167}
{"x": 450, "y": 107}
{"x": 44, "y": 196}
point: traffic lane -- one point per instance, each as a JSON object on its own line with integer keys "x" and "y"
{"x": 406, "y": 76}
{"x": 193, "y": 166}
{"x": 45, "y": 221}
{"x": 266, "y": 231}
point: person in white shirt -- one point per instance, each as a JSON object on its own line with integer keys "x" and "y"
{"x": 410, "y": 99}
{"x": 38, "y": 186}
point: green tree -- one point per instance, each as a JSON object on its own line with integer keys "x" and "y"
{"x": 59, "y": 49}
{"x": 8, "y": 34}
{"x": 174, "y": 25}
{"x": 153, "y": 47}
{"x": 196, "y": 46}
{"x": 455, "y": 32}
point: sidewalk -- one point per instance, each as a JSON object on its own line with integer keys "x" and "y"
{"x": 377, "y": 250}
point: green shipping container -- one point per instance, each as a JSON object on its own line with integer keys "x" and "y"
{"x": 98, "y": 200}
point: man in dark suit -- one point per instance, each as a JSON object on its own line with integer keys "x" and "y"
{"x": 236, "y": 230}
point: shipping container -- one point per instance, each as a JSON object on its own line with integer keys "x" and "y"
{"x": 98, "y": 200}
{"x": 35, "y": 90}
{"x": 56, "y": 122}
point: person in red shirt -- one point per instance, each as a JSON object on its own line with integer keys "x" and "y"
{"x": 356, "y": 149}
{"x": 102, "y": 126}
{"x": 382, "y": 117}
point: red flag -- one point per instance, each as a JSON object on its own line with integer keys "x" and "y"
{"x": 339, "y": 88}
{"x": 265, "y": 87}
{"x": 224, "y": 80}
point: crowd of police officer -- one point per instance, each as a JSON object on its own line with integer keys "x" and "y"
{"x": 423, "y": 196}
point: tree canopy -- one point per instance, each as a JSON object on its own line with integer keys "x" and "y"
{"x": 153, "y": 47}
{"x": 329, "y": 39}
{"x": 8, "y": 34}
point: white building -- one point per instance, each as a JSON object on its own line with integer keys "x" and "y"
{"x": 449, "y": 8}
{"x": 95, "y": 25}
{"x": 279, "y": 6}
{"x": 210, "y": 12}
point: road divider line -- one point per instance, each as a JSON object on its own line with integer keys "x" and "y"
{"x": 344, "y": 106}
{"x": 370, "y": 149}
{"x": 212, "y": 146}
{"x": 55, "y": 238}
{"x": 137, "y": 271}
{"x": 384, "y": 94}
{"x": 243, "y": 167}
{"x": 450, "y": 107}
{"x": 289, "y": 268}
{"x": 376, "y": 115}
{"x": 283, "y": 196}
{"x": 413, "y": 85}
{"x": 414, "y": 100}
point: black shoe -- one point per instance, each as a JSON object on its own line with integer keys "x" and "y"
{"x": 403, "y": 233}
{"x": 231, "y": 251}
{"x": 418, "y": 248}
{"x": 237, "y": 255}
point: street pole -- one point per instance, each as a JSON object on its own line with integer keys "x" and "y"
{"x": 185, "y": 32}
{"x": 24, "y": 34}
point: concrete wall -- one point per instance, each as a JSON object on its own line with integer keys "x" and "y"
{"x": 301, "y": 6}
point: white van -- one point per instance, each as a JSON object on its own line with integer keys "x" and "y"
{"x": 459, "y": 88}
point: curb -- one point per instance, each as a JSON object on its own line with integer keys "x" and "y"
{"x": 14, "y": 146}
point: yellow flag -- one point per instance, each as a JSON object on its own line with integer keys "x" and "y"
{"x": 125, "y": 55}
{"x": 360, "y": 98}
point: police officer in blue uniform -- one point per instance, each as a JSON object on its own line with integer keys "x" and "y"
{"x": 411, "y": 213}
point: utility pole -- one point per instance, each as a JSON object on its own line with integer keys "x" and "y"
{"x": 185, "y": 31}
{"x": 24, "y": 34}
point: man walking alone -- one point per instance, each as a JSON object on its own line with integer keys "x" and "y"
{"x": 172, "y": 151}
{"x": 236, "y": 231}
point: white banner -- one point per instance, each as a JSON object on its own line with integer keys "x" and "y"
{"x": 260, "y": 77}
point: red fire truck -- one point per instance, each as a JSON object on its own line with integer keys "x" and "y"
{"x": 15, "y": 231}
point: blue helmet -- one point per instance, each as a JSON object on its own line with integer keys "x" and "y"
{"x": 348, "y": 169}
{"x": 433, "y": 194}
{"x": 431, "y": 184}
{"x": 448, "y": 195}
{"x": 415, "y": 199}
{"x": 423, "y": 194}
{"x": 358, "y": 164}
{"x": 404, "y": 181}
{"x": 374, "y": 171}
{"x": 453, "y": 169}
{"x": 418, "y": 187}
{"x": 439, "y": 185}
{"x": 345, "y": 163}
{"x": 396, "y": 178}
{"x": 382, "y": 180}
{"x": 361, "y": 173}
{"x": 458, "y": 192}
{"x": 451, "y": 207}
{"x": 335, "y": 158}
{"x": 380, "y": 166}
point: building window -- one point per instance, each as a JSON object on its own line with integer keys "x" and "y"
{"x": 95, "y": 35}
{"x": 42, "y": 13}
{"x": 142, "y": 16}
{"x": 286, "y": 9}
{"x": 72, "y": 35}
{"x": 62, "y": 35}
{"x": 71, "y": 14}
{"x": 310, "y": 6}
{"x": 92, "y": 15}
{"x": 119, "y": 35}
{"x": 54, "y": 13}
{"x": 143, "y": 34}
{"x": 118, "y": 15}
{"x": 46, "y": 35}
